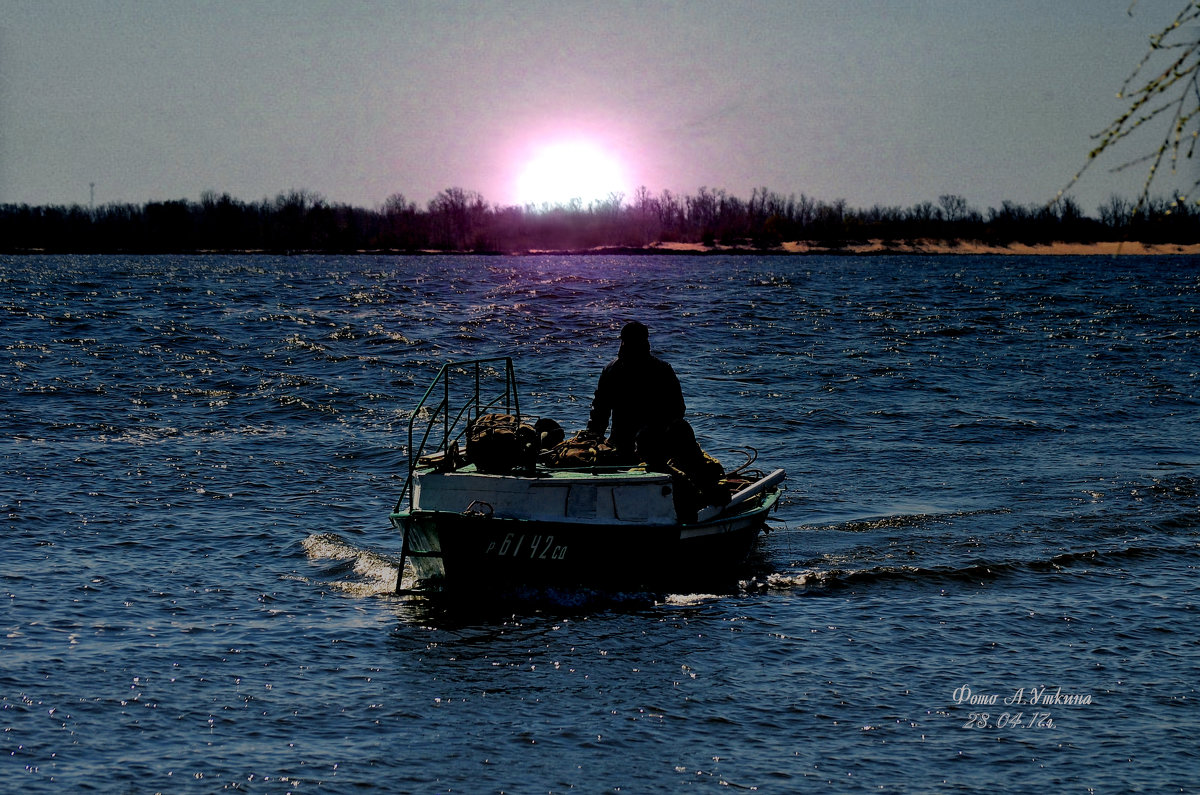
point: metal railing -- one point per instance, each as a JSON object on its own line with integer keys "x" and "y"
{"x": 454, "y": 418}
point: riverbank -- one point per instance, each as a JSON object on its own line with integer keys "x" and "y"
{"x": 869, "y": 247}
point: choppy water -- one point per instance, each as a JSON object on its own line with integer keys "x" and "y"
{"x": 993, "y": 467}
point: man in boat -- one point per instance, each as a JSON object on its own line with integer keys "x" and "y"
{"x": 641, "y": 394}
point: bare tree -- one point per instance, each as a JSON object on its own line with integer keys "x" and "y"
{"x": 954, "y": 207}
{"x": 1158, "y": 93}
{"x": 1116, "y": 212}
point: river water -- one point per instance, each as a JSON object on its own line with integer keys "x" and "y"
{"x": 983, "y": 573}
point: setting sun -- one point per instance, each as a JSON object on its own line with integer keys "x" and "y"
{"x": 561, "y": 172}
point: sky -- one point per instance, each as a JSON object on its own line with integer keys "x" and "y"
{"x": 889, "y": 102}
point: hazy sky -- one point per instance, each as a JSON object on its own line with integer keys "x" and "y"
{"x": 865, "y": 100}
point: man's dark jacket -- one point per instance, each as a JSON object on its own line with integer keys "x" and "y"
{"x": 638, "y": 391}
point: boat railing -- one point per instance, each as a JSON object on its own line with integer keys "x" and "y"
{"x": 449, "y": 405}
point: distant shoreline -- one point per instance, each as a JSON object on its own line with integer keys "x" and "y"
{"x": 930, "y": 247}
{"x": 923, "y": 247}
{"x": 460, "y": 222}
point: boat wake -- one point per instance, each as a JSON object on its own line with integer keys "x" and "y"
{"x": 351, "y": 569}
{"x": 367, "y": 573}
{"x": 819, "y": 581}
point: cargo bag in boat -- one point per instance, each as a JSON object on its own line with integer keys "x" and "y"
{"x": 584, "y": 449}
{"x": 498, "y": 444}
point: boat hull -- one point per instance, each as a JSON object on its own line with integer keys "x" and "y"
{"x": 476, "y": 552}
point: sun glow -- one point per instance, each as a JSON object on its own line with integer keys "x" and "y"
{"x": 560, "y": 173}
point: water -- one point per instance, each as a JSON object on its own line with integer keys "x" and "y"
{"x": 993, "y": 468}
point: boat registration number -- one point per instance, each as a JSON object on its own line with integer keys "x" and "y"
{"x": 539, "y": 547}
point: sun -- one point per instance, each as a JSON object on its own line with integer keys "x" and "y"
{"x": 561, "y": 172}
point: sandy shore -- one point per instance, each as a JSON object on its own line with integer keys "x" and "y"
{"x": 963, "y": 247}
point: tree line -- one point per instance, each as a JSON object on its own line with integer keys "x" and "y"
{"x": 461, "y": 220}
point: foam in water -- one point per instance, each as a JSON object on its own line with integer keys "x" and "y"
{"x": 377, "y": 572}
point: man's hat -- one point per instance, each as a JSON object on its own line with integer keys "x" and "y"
{"x": 635, "y": 331}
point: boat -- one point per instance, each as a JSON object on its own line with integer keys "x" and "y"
{"x": 467, "y": 527}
